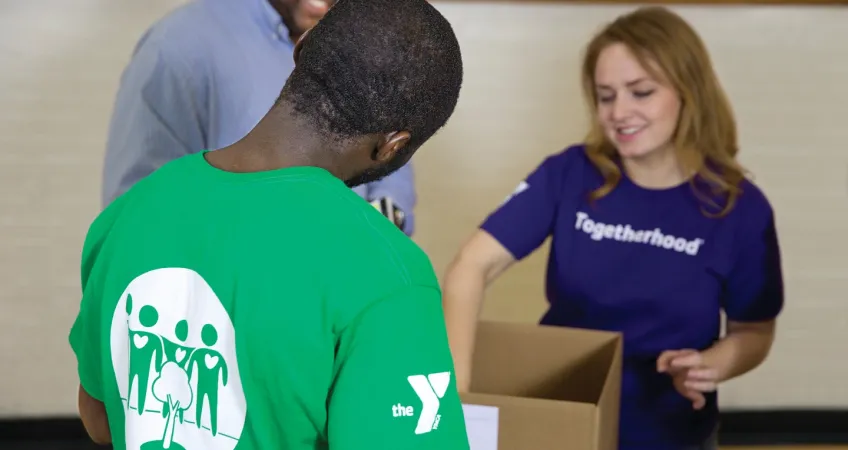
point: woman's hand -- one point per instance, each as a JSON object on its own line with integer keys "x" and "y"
{"x": 691, "y": 376}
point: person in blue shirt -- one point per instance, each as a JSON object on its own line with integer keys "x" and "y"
{"x": 202, "y": 77}
{"x": 654, "y": 230}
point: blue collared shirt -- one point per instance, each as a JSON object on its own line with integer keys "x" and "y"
{"x": 201, "y": 78}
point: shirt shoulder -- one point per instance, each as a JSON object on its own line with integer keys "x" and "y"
{"x": 367, "y": 257}
{"x": 567, "y": 160}
{"x": 389, "y": 251}
{"x": 753, "y": 201}
{"x": 184, "y": 37}
{"x": 98, "y": 233}
{"x": 753, "y": 212}
{"x": 751, "y": 208}
{"x": 567, "y": 171}
{"x": 321, "y": 229}
{"x": 176, "y": 175}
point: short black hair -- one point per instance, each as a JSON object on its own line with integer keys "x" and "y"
{"x": 377, "y": 66}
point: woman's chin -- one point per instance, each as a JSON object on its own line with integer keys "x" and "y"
{"x": 630, "y": 151}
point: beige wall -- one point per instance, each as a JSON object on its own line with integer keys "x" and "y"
{"x": 786, "y": 70}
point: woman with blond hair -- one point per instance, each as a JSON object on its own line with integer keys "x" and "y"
{"x": 655, "y": 230}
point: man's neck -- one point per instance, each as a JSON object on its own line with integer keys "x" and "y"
{"x": 279, "y": 140}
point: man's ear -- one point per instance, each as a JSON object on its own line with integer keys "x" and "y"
{"x": 389, "y": 144}
{"x": 298, "y": 46}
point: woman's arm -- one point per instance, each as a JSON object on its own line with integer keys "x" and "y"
{"x": 480, "y": 261}
{"x": 513, "y": 231}
{"x": 745, "y": 346}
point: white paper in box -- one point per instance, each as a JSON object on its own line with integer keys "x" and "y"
{"x": 481, "y": 422}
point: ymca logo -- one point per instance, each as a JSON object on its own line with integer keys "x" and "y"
{"x": 429, "y": 389}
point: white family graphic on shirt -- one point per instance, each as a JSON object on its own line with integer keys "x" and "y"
{"x": 173, "y": 351}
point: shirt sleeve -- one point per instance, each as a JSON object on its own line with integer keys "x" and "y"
{"x": 526, "y": 218}
{"x": 159, "y": 115}
{"x": 754, "y": 288}
{"x": 86, "y": 335}
{"x": 394, "y": 386}
{"x": 85, "y": 343}
{"x": 400, "y": 187}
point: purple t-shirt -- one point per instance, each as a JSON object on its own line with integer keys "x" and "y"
{"x": 647, "y": 263}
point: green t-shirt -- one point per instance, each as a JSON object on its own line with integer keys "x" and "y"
{"x": 267, "y": 310}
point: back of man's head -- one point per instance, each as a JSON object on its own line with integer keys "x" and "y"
{"x": 378, "y": 66}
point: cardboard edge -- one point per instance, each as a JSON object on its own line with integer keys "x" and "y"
{"x": 608, "y": 408}
{"x": 598, "y": 336}
{"x": 505, "y": 401}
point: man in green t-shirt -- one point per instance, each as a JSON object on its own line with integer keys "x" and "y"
{"x": 246, "y": 298}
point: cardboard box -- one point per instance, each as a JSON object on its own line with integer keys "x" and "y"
{"x": 553, "y": 387}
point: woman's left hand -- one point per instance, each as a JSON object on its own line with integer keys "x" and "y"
{"x": 692, "y": 377}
